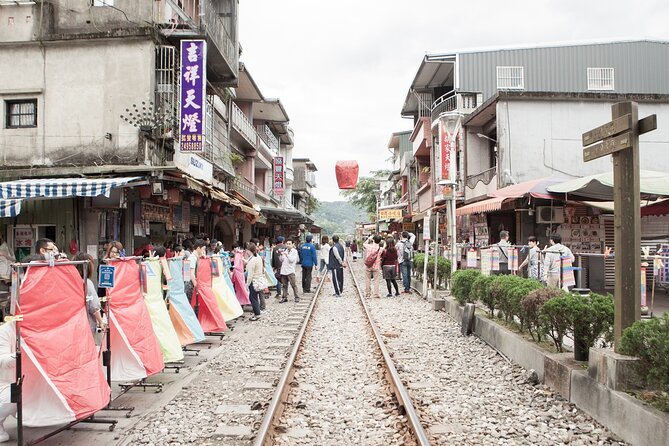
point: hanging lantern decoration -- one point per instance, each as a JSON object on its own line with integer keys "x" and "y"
{"x": 215, "y": 207}
{"x": 347, "y": 174}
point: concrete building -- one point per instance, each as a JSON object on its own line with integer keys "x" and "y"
{"x": 90, "y": 91}
{"x": 520, "y": 113}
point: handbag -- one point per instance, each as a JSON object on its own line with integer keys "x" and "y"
{"x": 260, "y": 283}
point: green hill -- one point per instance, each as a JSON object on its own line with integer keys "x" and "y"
{"x": 338, "y": 217}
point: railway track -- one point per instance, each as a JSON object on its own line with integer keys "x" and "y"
{"x": 340, "y": 386}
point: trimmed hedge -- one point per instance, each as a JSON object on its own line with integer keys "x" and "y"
{"x": 649, "y": 341}
{"x": 461, "y": 285}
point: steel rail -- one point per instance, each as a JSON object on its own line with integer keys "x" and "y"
{"x": 266, "y": 430}
{"x": 400, "y": 391}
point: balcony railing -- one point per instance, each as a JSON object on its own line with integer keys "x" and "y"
{"x": 242, "y": 124}
{"x": 244, "y": 187}
{"x": 451, "y": 101}
{"x": 266, "y": 135}
{"x": 290, "y": 175}
{"x": 486, "y": 177}
{"x": 215, "y": 27}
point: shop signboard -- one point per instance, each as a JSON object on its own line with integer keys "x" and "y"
{"x": 106, "y": 276}
{"x": 23, "y": 237}
{"x": 390, "y": 214}
{"x": 192, "y": 95}
{"x": 409, "y": 227}
{"x": 426, "y": 227}
{"x": 195, "y": 166}
{"x": 279, "y": 176}
{"x": 445, "y": 145}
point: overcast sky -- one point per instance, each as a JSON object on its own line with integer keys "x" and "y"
{"x": 343, "y": 68}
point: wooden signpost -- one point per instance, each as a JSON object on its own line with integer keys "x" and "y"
{"x": 620, "y": 139}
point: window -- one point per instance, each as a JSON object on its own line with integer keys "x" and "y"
{"x": 600, "y": 79}
{"x": 510, "y": 78}
{"x": 21, "y": 113}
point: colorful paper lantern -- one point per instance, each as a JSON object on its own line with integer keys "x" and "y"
{"x": 347, "y": 174}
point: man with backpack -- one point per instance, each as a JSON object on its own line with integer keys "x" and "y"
{"x": 405, "y": 259}
{"x": 276, "y": 263}
{"x": 372, "y": 250}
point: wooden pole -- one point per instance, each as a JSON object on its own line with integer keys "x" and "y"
{"x": 627, "y": 227}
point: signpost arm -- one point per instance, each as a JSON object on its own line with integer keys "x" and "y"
{"x": 627, "y": 224}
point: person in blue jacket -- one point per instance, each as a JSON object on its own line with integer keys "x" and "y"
{"x": 309, "y": 261}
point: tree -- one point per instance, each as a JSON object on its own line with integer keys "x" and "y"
{"x": 363, "y": 195}
{"x": 312, "y": 204}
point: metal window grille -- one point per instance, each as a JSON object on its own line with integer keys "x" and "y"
{"x": 167, "y": 85}
{"x": 21, "y": 113}
{"x": 600, "y": 79}
{"x": 510, "y": 78}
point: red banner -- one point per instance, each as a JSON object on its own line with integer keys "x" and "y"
{"x": 445, "y": 144}
{"x": 279, "y": 176}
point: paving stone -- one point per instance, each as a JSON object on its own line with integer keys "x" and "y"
{"x": 233, "y": 431}
{"x": 233, "y": 409}
{"x": 267, "y": 369}
{"x": 251, "y": 385}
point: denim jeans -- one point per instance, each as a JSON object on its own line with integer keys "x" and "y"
{"x": 255, "y": 300}
{"x": 405, "y": 270}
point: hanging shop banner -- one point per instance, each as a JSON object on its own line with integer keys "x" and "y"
{"x": 279, "y": 176}
{"x": 471, "y": 258}
{"x": 410, "y": 227}
{"x": 23, "y": 237}
{"x": 494, "y": 259}
{"x": 445, "y": 145}
{"x": 193, "y": 95}
{"x": 513, "y": 259}
{"x": 426, "y": 227}
{"x": 486, "y": 261}
{"x": 390, "y": 214}
{"x": 644, "y": 297}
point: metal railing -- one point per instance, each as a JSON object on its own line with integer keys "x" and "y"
{"x": 424, "y": 100}
{"x": 266, "y": 135}
{"x": 453, "y": 101}
{"x": 242, "y": 124}
{"x": 486, "y": 177}
{"x": 214, "y": 26}
{"x": 244, "y": 187}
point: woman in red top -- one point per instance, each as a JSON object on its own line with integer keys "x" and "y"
{"x": 389, "y": 266}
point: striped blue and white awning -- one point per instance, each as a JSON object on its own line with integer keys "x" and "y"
{"x": 12, "y": 193}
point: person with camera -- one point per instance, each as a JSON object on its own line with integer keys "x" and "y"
{"x": 289, "y": 259}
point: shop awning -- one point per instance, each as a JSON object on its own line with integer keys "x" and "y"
{"x": 489, "y": 205}
{"x": 600, "y": 186}
{"x": 533, "y": 188}
{"x": 394, "y": 206}
{"x": 12, "y": 193}
{"x": 287, "y": 214}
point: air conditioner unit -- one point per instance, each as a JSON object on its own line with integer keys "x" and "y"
{"x": 548, "y": 214}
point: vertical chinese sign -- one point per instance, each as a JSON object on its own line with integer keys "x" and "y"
{"x": 445, "y": 144}
{"x": 279, "y": 176}
{"x": 193, "y": 95}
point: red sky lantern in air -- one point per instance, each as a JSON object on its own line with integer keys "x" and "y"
{"x": 347, "y": 174}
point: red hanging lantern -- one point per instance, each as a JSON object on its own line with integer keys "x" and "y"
{"x": 347, "y": 174}
{"x": 215, "y": 207}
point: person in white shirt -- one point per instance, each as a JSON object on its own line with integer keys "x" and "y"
{"x": 255, "y": 270}
{"x": 7, "y": 374}
{"x": 289, "y": 258}
{"x": 324, "y": 254}
{"x": 552, "y": 265}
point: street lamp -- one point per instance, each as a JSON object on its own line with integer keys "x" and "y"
{"x": 451, "y": 221}
{"x": 481, "y": 135}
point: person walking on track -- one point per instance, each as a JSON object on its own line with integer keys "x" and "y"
{"x": 389, "y": 266}
{"x": 373, "y": 251}
{"x": 336, "y": 265}
{"x": 289, "y": 257}
{"x": 405, "y": 259}
{"x": 309, "y": 259}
